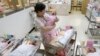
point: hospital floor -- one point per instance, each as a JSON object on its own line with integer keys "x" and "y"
{"x": 78, "y": 21}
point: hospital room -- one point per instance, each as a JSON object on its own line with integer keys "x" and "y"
{"x": 49, "y": 27}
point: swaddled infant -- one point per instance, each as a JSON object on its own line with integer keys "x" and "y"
{"x": 30, "y": 42}
{"x": 50, "y": 21}
{"x": 89, "y": 47}
{"x": 27, "y": 48}
{"x": 3, "y": 43}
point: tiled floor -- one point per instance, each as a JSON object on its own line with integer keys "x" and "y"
{"x": 77, "y": 20}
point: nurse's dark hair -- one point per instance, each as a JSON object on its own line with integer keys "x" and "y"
{"x": 39, "y": 7}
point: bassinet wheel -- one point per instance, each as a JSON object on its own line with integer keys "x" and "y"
{"x": 85, "y": 32}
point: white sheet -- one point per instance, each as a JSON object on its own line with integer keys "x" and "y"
{"x": 61, "y": 41}
{"x": 67, "y": 37}
{"x": 24, "y": 50}
{"x": 93, "y": 54}
{"x": 2, "y": 45}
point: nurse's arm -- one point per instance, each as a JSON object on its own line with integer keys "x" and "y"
{"x": 48, "y": 28}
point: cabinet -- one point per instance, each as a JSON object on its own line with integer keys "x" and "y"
{"x": 62, "y": 7}
{"x": 84, "y": 6}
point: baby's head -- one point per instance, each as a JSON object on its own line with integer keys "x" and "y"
{"x": 31, "y": 42}
{"x": 5, "y": 40}
{"x": 90, "y": 47}
{"x": 51, "y": 20}
{"x": 91, "y": 50}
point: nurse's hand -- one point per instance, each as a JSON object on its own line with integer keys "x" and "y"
{"x": 54, "y": 26}
{"x": 56, "y": 20}
{"x": 48, "y": 28}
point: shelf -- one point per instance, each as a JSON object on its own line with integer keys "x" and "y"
{"x": 95, "y": 33}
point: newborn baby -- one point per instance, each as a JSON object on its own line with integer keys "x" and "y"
{"x": 50, "y": 21}
{"x": 26, "y": 49}
{"x": 30, "y": 42}
{"x": 89, "y": 47}
{"x": 3, "y": 44}
{"x": 91, "y": 50}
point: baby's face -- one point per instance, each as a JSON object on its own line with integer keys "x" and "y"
{"x": 32, "y": 42}
{"x": 92, "y": 50}
{"x": 4, "y": 40}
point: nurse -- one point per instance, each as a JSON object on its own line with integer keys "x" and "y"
{"x": 41, "y": 20}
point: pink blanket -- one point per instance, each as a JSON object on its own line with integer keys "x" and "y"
{"x": 50, "y": 34}
{"x": 1, "y": 9}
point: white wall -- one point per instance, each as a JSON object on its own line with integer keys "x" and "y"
{"x": 18, "y": 24}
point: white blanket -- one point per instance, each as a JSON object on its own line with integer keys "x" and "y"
{"x": 93, "y": 54}
{"x": 61, "y": 41}
{"x": 67, "y": 37}
{"x": 2, "y": 45}
{"x": 24, "y": 50}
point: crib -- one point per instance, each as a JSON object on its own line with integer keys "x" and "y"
{"x": 19, "y": 49}
{"x": 82, "y": 51}
{"x": 69, "y": 47}
{"x": 8, "y": 44}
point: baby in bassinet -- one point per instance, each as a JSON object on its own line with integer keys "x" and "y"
{"x": 91, "y": 50}
{"x": 27, "y": 48}
{"x": 4, "y": 43}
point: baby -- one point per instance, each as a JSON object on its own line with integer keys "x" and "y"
{"x": 91, "y": 50}
{"x": 30, "y": 42}
{"x": 89, "y": 47}
{"x": 4, "y": 43}
{"x": 50, "y": 21}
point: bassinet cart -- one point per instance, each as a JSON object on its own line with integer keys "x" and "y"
{"x": 93, "y": 27}
{"x": 69, "y": 47}
{"x": 82, "y": 51}
{"x": 31, "y": 49}
{"x": 8, "y": 45}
